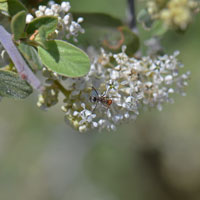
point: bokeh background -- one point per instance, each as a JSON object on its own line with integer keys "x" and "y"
{"x": 155, "y": 158}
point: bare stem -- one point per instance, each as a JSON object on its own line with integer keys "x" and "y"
{"x": 19, "y": 62}
{"x": 131, "y": 6}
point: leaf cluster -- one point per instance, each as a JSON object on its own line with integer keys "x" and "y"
{"x": 38, "y": 48}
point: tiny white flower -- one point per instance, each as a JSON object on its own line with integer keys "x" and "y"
{"x": 101, "y": 122}
{"x": 80, "y": 20}
{"x": 75, "y": 113}
{"x": 55, "y": 7}
{"x": 171, "y": 90}
{"x": 82, "y": 128}
{"x": 53, "y": 92}
{"x": 168, "y": 79}
{"x": 38, "y": 13}
{"x": 114, "y": 74}
{"x": 66, "y": 19}
{"x": 49, "y": 12}
{"x": 176, "y": 53}
{"x": 112, "y": 127}
{"x": 50, "y": 3}
{"x": 65, "y": 6}
{"x": 63, "y": 109}
{"x": 73, "y": 27}
{"x": 83, "y": 105}
{"x": 29, "y": 18}
{"x": 129, "y": 99}
{"x": 149, "y": 84}
{"x": 42, "y": 8}
{"x": 126, "y": 115}
{"x": 95, "y": 124}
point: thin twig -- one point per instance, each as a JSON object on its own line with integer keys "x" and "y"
{"x": 131, "y": 6}
{"x": 19, "y": 62}
{"x": 133, "y": 22}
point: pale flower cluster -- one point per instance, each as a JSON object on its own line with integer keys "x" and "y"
{"x": 66, "y": 26}
{"x": 131, "y": 84}
{"x": 174, "y": 13}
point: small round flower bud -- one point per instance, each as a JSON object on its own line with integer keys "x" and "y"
{"x": 80, "y": 20}
{"x": 29, "y": 18}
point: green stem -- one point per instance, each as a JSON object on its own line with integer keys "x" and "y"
{"x": 61, "y": 88}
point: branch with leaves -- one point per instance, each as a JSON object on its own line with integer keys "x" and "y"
{"x": 44, "y": 51}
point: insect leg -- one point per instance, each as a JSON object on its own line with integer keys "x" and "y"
{"x": 95, "y": 107}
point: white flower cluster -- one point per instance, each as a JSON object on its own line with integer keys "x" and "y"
{"x": 174, "y": 13}
{"x": 49, "y": 96}
{"x": 117, "y": 87}
{"x": 66, "y": 25}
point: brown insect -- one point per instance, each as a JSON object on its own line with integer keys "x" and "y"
{"x": 96, "y": 98}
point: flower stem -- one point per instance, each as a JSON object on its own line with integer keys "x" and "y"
{"x": 61, "y": 88}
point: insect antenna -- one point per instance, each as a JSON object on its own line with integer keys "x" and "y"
{"x": 95, "y": 91}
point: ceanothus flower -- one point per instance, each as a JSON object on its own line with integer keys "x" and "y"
{"x": 118, "y": 87}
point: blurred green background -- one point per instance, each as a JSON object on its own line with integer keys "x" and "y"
{"x": 155, "y": 158}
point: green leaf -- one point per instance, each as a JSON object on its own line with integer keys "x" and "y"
{"x": 158, "y": 28}
{"x": 15, "y": 6}
{"x": 98, "y": 19}
{"x": 107, "y": 31}
{"x": 97, "y": 27}
{"x": 31, "y": 56}
{"x": 64, "y": 58}
{"x": 49, "y": 24}
{"x": 47, "y": 29}
{"x": 131, "y": 40}
{"x": 11, "y": 85}
{"x": 4, "y": 6}
{"x": 18, "y": 24}
{"x": 145, "y": 18}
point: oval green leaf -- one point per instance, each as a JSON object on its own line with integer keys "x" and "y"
{"x": 11, "y": 85}
{"x": 48, "y": 22}
{"x": 131, "y": 40}
{"x": 64, "y": 58}
{"x": 98, "y": 26}
{"x": 31, "y": 56}
{"x": 15, "y": 6}
{"x": 107, "y": 31}
{"x": 18, "y": 24}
